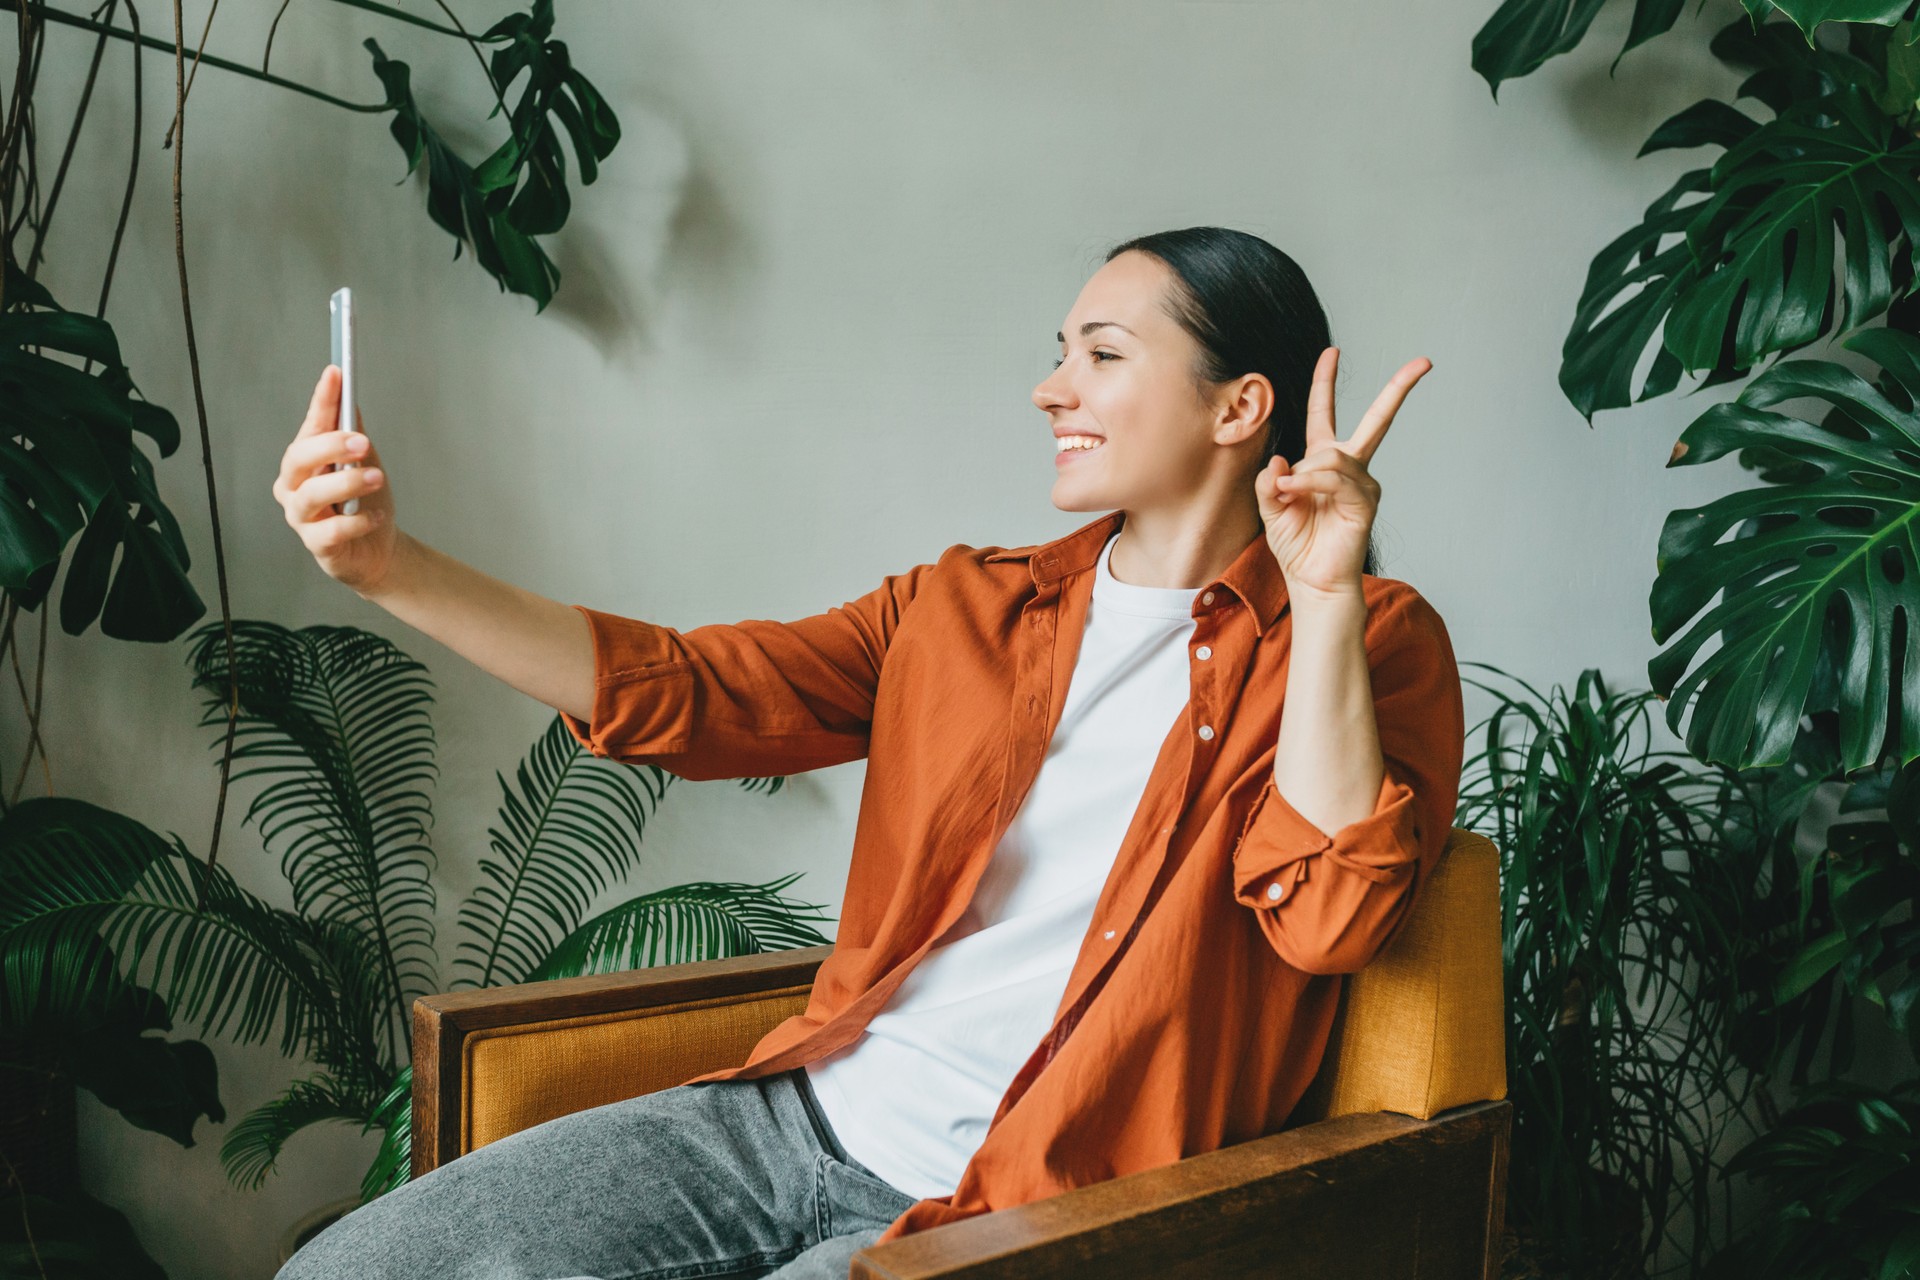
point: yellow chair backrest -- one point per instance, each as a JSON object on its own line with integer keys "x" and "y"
{"x": 1423, "y": 1027}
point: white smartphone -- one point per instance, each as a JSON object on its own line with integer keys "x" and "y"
{"x": 342, "y": 308}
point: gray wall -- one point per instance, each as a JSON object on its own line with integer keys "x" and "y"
{"x": 803, "y": 311}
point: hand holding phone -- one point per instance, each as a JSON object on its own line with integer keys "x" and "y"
{"x": 357, "y": 546}
{"x": 342, "y": 308}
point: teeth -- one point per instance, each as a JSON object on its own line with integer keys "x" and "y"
{"x": 1064, "y": 443}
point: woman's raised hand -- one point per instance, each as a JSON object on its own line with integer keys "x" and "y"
{"x": 1319, "y": 513}
{"x": 356, "y": 549}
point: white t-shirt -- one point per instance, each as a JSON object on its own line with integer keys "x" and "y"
{"x": 912, "y": 1096}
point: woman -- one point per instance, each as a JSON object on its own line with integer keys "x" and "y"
{"x": 1075, "y": 942}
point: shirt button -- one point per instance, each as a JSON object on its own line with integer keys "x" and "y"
{"x": 1274, "y": 890}
{"x": 1109, "y": 933}
{"x": 1207, "y": 598}
{"x": 1206, "y": 732}
{"x": 1203, "y": 653}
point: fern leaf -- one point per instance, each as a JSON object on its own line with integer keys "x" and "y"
{"x": 72, "y": 872}
{"x": 702, "y": 920}
{"x": 252, "y": 1148}
{"x": 393, "y": 1165}
{"x": 572, "y": 828}
{"x": 335, "y": 721}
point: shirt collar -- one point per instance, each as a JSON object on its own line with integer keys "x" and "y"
{"x": 1254, "y": 576}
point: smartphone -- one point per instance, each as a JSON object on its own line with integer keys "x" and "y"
{"x": 342, "y": 307}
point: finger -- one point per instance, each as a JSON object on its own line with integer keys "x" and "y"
{"x": 1334, "y": 459}
{"x": 1379, "y": 416}
{"x": 331, "y": 532}
{"x": 323, "y": 410}
{"x": 1315, "y": 482}
{"x": 314, "y": 499}
{"x": 1320, "y": 399}
{"x": 315, "y": 453}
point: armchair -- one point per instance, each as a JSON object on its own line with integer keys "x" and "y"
{"x": 1393, "y": 1164}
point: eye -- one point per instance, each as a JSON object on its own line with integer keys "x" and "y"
{"x": 1096, "y": 357}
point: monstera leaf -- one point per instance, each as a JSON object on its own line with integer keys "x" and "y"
{"x": 1767, "y": 231}
{"x": 479, "y": 206}
{"x": 89, "y": 1026}
{"x": 1824, "y": 560}
{"x": 1753, "y": 273}
{"x": 1522, "y": 34}
{"x": 1808, "y": 14}
{"x": 69, "y": 466}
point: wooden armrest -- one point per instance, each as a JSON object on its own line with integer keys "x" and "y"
{"x": 443, "y": 1023}
{"x": 1378, "y": 1194}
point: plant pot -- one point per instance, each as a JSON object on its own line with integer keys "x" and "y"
{"x": 313, "y": 1224}
{"x": 39, "y": 1134}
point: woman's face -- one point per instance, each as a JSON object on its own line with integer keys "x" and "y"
{"x": 1127, "y": 375}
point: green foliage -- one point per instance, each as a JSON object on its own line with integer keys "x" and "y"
{"x": 1751, "y": 273}
{"x": 1841, "y": 1176}
{"x": 100, "y": 1045}
{"x": 338, "y": 720}
{"x": 700, "y": 920}
{"x": 69, "y": 468}
{"x": 72, "y": 1237}
{"x": 1622, "y": 884}
{"x": 520, "y": 190}
{"x": 335, "y": 723}
{"x": 1822, "y": 563}
{"x": 1867, "y": 886}
{"x": 551, "y": 855}
{"x": 1523, "y": 34}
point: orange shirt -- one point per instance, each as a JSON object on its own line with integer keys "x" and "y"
{"x": 1205, "y": 987}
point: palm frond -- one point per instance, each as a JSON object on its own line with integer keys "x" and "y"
{"x": 571, "y": 828}
{"x": 343, "y": 1034}
{"x": 702, "y": 920}
{"x": 338, "y": 720}
{"x": 74, "y": 872}
{"x": 253, "y": 1145}
{"x": 393, "y": 1165}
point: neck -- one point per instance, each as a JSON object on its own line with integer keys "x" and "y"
{"x": 1158, "y": 549}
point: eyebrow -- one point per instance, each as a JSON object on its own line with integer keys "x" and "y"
{"x": 1091, "y": 325}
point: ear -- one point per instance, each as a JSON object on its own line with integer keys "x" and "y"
{"x": 1243, "y": 406}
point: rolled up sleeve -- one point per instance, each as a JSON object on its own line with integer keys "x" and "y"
{"x": 745, "y": 699}
{"x": 1329, "y": 902}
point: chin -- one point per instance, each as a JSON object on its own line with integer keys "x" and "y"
{"x": 1079, "y": 500}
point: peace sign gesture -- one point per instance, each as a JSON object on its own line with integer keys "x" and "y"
{"x": 1318, "y": 513}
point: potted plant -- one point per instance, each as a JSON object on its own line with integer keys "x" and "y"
{"x": 335, "y": 722}
{"x": 1623, "y": 885}
{"x": 84, "y": 495}
{"x": 1799, "y": 226}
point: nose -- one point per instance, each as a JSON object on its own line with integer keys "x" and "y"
{"x": 1054, "y": 391}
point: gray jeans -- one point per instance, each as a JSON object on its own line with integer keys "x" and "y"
{"x": 723, "y": 1178}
